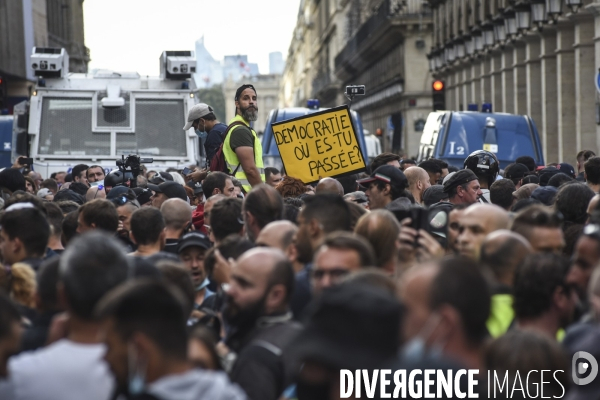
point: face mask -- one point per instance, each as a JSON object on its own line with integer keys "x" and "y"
{"x": 313, "y": 391}
{"x": 201, "y": 134}
{"x": 416, "y": 348}
{"x": 202, "y": 285}
{"x": 137, "y": 373}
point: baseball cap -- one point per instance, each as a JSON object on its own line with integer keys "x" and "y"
{"x": 239, "y": 90}
{"x": 567, "y": 169}
{"x": 516, "y": 171}
{"x": 161, "y": 177}
{"x": 43, "y": 192}
{"x": 143, "y": 195}
{"x": 545, "y": 194}
{"x": 198, "y": 239}
{"x": 197, "y": 187}
{"x": 388, "y": 174}
{"x": 547, "y": 173}
{"x": 119, "y": 191}
{"x": 170, "y": 189}
{"x": 459, "y": 178}
{"x": 198, "y": 111}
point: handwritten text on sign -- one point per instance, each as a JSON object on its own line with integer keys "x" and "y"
{"x": 319, "y": 145}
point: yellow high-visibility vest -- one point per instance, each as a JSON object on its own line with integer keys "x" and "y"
{"x": 233, "y": 162}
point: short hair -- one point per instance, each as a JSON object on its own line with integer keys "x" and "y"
{"x": 177, "y": 275}
{"x": 501, "y": 193}
{"x": 396, "y": 191}
{"x": 214, "y": 180}
{"x": 433, "y": 165}
{"x": 290, "y": 187}
{"x": 353, "y": 242}
{"x": 535, "y": 216}
{"x": 585, "y": 155}
{"x": 102, "y": 213}
{"x": 78, "y": 169}
{"x": 283, "y": 274}
{"x": 49, "y": 184}
{"x": 47, "y": 279}
{"x": 79, "y": 188}
{"x": 536, "y": 279}
{"x": 460, "y": 284}
{"x": 67, "y": 206}
{"x": 55, "y": 218}
{"x": 90, "y": 267}
{"x": 153, "y": 308}
{"x": 94, "y": 166}
{"x": 147, "y": 224}
{"x": 271, "y": 171}
{"x": 527, "y": 161}
{"x": 69, "y": 227}
{"x": 226, "y": 218}
{"x": 383, "y": 159}
{"x": 30, "y": 226}
{"x": 264, "y": 203}
{"x": 356, "y": 213}
{"x": 24, "y": 197}
{"x": 209, "y": 117}
{"x": 177, "y": 213}
{"x": 331, "y": 210}
{"x": 233, "y": 246}
{"x": 572, "y": 201}
{"x": 348, "y": 182}
{"x": 9, "y": 315}
{"x": 454, "y": 189}
{"x": 503, "y": 260}
{"x": 557, "y": 180}
{"x": 592, "y": 170}
{"x": 381, "y": 230}
{"x": 12, "y": 179}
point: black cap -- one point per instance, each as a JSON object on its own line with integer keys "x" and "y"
{"x": 170, "y": 189}
{"x": 546, "y": 174}
{"x": 197, "y": 239}
{"x": 68, "y": 194}
{"x": 545, "y": 194}
{"x": 388, "y": 174}
{"x": 516, "y": 171}
{"x": 143, "y": 195}
{"x": 239, "y": 90}
{"x": 567, "y": 169}
{"x": 434, "y": 194}
{"x": 120, "y": 191}
{"x": 339, "y": 329}
{"x": 459, "y": 178}
{"x": 161, "y": 177}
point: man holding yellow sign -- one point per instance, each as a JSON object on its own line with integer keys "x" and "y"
{"x": 319, "y": 145}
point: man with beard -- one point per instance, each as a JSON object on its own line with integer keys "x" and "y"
{"x": 242, "y": 148}
{"x": 258, "y": 322}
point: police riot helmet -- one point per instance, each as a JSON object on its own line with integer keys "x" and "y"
{"x": 485, "y": 165}
{"x": 115, "y": 178}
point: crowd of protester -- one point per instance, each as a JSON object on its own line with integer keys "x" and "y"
{"x": 160, "y": 287}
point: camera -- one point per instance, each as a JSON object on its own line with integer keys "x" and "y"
{"x": 130, "y": 167}
{"x": 355, "y": 90}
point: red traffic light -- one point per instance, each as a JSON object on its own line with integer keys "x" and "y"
{"x": 438, "y": 85}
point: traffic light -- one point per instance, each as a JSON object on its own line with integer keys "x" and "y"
{"x": 439, "y": 95}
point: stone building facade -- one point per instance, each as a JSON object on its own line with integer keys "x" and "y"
{"x": 381, "y": 44}
{"x": 531, "y": 57}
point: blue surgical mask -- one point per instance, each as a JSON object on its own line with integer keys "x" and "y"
{"x": 201, "y": 134}
{"x": 203, "y": 285}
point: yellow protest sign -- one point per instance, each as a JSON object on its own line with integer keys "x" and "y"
{"x": 319, "y": 145}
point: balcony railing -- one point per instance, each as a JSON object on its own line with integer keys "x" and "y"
{"x": 389, "y": 9}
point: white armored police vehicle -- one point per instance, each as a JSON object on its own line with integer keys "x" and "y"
{"x": 98, "y": 117}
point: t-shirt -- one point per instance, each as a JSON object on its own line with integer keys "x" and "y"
{"x": 171, "y": 246}
{"x": 64, "y": 370}
{"x": 241, "y": 136}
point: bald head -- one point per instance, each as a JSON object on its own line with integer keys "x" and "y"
{"x": 414, "y": 292}
{"x": 477, "y": 222}
{"x": 418, "y": 182}
{"x": 177, "y": 213}
{"x": 502, "y": 251}
{"x": 94, "y": 193}
{"x": 278, "y": 234}
{"x": 330, "y": 185}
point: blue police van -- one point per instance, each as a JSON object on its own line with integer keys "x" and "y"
{"x": 453, "y": 135}
{"x": 271, "y": 156}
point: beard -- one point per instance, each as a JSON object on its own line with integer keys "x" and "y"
{"x": 250, "y": 113}
{"x": 305, "y": 251}
{"x": 234, "y": 315}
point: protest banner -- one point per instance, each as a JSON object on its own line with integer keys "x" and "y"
{"x": 318, "y": 145}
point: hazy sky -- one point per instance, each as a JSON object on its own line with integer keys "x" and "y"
{"x": 130, "y": 35}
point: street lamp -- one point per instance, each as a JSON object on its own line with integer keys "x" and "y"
{"x": 469, "y": 45}
{"x": 488, "y": 34}
{"x": 510, "y": 21}
{"x": 574, "y": 5}
{"x": 538, "y": 12}
{"x": 477, "y": 38}
{"x": 554, "y": 8}
{"x": 459, "y": 48}
{"x": 523, "y": 12}
{"x": 450, "y": 55}
{"x": 499, "y": 29}
{"x": 431, "y": 59}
